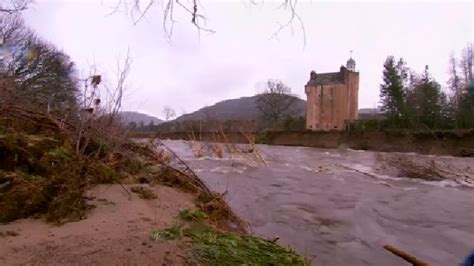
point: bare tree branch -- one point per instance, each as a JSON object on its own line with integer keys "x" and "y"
{"x": 142, "y": 13}
{"x": 291, "y": 6}
{"x": 15, "y": 6}
{"x": 168, "y": 14}
{"x": 123, "y": 70}
{"x": 42, "y": 74}
{"x": 198, "y": 20}
{"x": 466, "y": 63}
{"x": 115, "y": 9}
{"x": 192, "y": 7}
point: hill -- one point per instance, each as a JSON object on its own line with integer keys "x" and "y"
{"x": 129, "y": 116}
{"x": 244, "y": 108}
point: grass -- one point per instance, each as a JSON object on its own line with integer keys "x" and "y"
{"x": 61, "y": 154}
{"x": 192, "y": 215}
{"x": 211, "y": 247}
{"x": 167, "y": 234}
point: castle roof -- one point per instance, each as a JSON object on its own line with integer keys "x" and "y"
{"x": 326, "y": 79}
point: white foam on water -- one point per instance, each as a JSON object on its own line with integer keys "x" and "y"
{"x": 247, "y": 160}
{"x": 356, "y": 150}
{"x": 332, "y": 154}
{"x": 307, "y": 168}
{"x": 227, "y": 169}
{"x": 314, "y": 170}
{"x": 211, "y": 158}
{"x": 443, "y": 183}
{"x": 467, "y": 184}
{"x": 449, "y": 183}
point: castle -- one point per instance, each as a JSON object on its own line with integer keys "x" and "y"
{"x": 332, "y": 98}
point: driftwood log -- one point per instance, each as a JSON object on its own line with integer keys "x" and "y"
{"x": 409, "y": 258}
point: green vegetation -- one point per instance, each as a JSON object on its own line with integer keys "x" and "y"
{"x": 192, "y": 215}
{"x": 211, "y": 247}
{"x": 167, "y": 234}
{"x": 42, "y": 175}
{"x": 61, "y": 154}
{"x": 413, "y": 101}
{"x": 392, "y": 93}
{"x": 264, "y": 137}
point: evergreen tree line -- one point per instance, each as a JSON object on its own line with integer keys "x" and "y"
{"x": 417, "y": 101}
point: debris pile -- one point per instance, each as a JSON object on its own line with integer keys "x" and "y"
{"x": 425, "y": 168}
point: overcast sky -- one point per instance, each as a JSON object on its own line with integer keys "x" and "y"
{"x": 193, "y": 71}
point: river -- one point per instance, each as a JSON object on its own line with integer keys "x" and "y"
{"x": 336, "y": 208}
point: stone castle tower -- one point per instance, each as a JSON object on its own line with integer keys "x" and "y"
{"x": 332, "y": 98}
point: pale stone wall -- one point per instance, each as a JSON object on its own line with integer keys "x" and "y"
{"x": 329, "y": 106}
{"x": 353, "y": 88}
{"x": 310, "y": 106}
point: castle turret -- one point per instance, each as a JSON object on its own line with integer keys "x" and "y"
{"x": 351, "y": 64}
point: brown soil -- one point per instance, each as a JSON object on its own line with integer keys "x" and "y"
{"x": 116, "y": 232}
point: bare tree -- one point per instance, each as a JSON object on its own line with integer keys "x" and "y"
{"x": 14, "y": 6}
{"x": 168, "y": 112}
{"x": 139, "y": 8}
{"x": 115, "y": 95}
{"x": 466, "y": 64}
{"x": 276, "y": 102}
{"x": 42, "y": 74}
{"x": 195, "y": 10}
{"x": 99, "y": 116}
{"x": 289, "y": 5}
{"x": 454, "y": 82}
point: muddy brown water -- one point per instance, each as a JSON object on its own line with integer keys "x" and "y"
{"x": 322, "y": 204}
